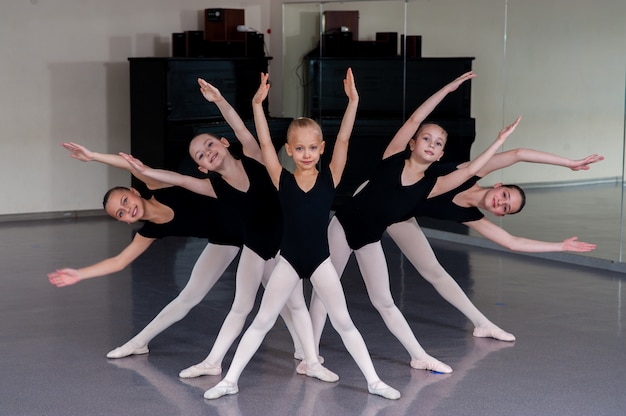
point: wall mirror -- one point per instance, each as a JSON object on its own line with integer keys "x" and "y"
{"x": 562, "y": 66}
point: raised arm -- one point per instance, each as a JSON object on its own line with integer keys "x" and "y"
{"x": 456, "y": 178}
{"x": 511, "y": 157}
{"x": 197, "y": 185}
{"x": 67, "y": 276}
{"x": 270, "y": 158}
{"x": 408, "y": 129}
{"x": 340, "y": 151}
{"x": 85, "y": 155}
{"x": 247, "y": 140}
{"x": 499, "y": 236}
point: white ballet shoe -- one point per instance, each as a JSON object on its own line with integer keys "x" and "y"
{"x": 221, "y": 389}
{"x": 384, "y": 390}
{"x": 431, "y": 364}
{"x": 300, "y": 356}
{"x": 324, "y": 374}
{"x": 320, "y": 372}
{"x": 493, "y": 332}
{"x": 201, "y": 369}
{"x": 127, "y": 350}
{"x": 301, "y": 368}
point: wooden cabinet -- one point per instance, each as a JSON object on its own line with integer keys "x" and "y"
{"x": 167, "y": 109}
{"x": 388, "y": 94}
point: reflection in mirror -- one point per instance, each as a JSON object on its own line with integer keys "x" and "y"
{"x": 562, "y": 66}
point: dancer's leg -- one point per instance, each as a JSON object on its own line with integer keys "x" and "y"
{"x": 209, "y": 267}
{"x": 326, "y": 283}
{"x": 373, "y": 265}
{"x": 248, "y": 279}
{"x": 413, "y": 243}
{"x": 311, "y": 365}
{"x": 285, "y": 313}
{"x": 283, "y": 282}
{"x": 339, "y": 255}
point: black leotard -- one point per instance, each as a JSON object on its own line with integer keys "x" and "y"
{"x": 305, "y": 219}
{"x": 194, "y": 216}
{"x": 442, "y": 207}
{"x": 382, "y": 202}
{"x": 260, "y": 208}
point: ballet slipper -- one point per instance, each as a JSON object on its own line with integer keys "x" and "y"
{"x": 300, "y": 356}
{"x": 381, "y": 389}
{"x": 493, "y": 332}
{"x": 431, "y": 364}
{"x": 301, "y": 368}
{"x": 201, "y": 369}
{"x": 127, "y": 350}
{"x": 223, "y": 388}
{"x": 320, "y": 372}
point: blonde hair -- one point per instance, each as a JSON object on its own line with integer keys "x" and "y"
{"x": 303, "y": 123}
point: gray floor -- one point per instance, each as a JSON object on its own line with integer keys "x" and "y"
{"x": 569, "y": 359}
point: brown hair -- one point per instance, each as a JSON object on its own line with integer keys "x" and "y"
{"x": 430, "y": 123}
{"x": 522, "y": 197}
{"x": 107, "y": 195}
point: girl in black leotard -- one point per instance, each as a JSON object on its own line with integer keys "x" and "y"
{"x": 462, "y": 205}
{"x": 306, "y": 197}
{"x": 170, "y": 211}
{"x": 244, "y": 185}
{"x": 394, "y": 190}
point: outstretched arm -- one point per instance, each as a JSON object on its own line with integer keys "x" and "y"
{"x": 67, "y": 276}
{"x": 197, "y": 185}
{"x": 247, "y": 140}
{"x": 511, "y": 157}
{"x": 456, "y": 178}
{"x": 270, "y": 158}
{"x": 340, "y": 151}
{"x": 85, "y": 155}
{"x": 499, "y": 236}
{"x": 408, "y": 129}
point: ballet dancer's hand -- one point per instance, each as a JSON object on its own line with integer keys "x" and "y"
{"x": 261, "y": 93}
{"x": 209, "y": 92}
{"x": 583, "y": 164}
{"x": 78, "y": 152}
{"x": 572, "y": 244}
{"x": 506, "y": 132}
{"x": 457, "y": 82}
{"x": 64, "y": 277}
{"x": 350, "y": 87}
{"x": 134, "y": 163}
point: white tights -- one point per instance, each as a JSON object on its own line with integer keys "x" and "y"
{"x": 413, "y": 243}
{"x": 251, "y": 271}
{"x": 209, "y": 267}
{"x": 371, "y": 260}
{"x": 285, "y": 287}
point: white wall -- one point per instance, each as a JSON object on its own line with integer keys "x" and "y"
{"x": 64, "y": 76}
{"x": 562, "y": 67}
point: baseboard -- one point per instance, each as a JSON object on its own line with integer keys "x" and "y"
{"x": 38, "y": 216}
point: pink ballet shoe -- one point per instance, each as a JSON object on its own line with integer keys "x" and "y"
{"x": 431, "y": 365}
{"x": 199, "y": 370}
{"x": 320, "y": 372}
{"x": 384, "y": 391}
{"x": 127, "y": 350}
{"x": 493, "y": 332}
